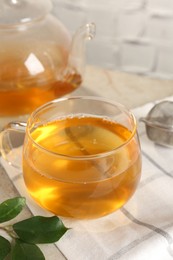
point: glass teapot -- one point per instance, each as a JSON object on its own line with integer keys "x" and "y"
{"x": 38, "y": 59}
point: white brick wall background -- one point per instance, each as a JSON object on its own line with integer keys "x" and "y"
{"x": 132, "y": 35}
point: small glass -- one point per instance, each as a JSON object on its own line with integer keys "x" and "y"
{"x": 81, "y": 156}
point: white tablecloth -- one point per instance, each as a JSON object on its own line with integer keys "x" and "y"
{"x": 141, "y": 230}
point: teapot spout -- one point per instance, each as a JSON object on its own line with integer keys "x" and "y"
{"x": 77, "y": 53}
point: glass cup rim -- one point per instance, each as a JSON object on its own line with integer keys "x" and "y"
{"x": 94, "y": 98}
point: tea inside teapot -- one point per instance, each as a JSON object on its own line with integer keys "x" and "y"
{"x": 38, "y": 59}
{"x": 28, "y": 83}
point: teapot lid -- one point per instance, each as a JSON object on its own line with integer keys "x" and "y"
{"x": 14, "y": 12}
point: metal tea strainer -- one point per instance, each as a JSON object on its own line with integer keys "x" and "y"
{"x": 159, "y": 123}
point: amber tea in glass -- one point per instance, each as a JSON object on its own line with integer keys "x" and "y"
{"x": 81, "y": 157}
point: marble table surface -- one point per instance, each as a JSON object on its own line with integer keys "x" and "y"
{"x": 130, "y": 90}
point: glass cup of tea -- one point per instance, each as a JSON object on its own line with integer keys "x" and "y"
{"x": 81, "y": 156}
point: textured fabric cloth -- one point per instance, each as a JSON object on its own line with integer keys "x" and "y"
{"x": 141, "y": 230}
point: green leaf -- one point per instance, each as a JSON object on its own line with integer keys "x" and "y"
{"x": 5, "y": 247}
{"x": 10, "y": 208}
{"x": 24, "y": 251}
{"x": 39, "y": 230}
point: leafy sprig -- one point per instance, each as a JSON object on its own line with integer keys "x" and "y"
{"x": 26, "y": 234}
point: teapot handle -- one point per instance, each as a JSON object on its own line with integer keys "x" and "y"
{"x": 11, "y": 141}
